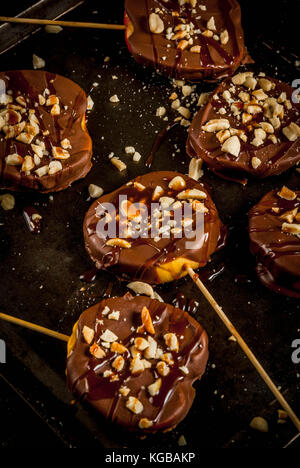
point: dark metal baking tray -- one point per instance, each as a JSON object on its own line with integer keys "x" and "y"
{"x": 40, "y": 273}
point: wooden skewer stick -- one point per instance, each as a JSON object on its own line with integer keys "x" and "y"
{"x": 279, "y": 397}
{"x": 33, "y": 326}
{"x": 69, "y": 24}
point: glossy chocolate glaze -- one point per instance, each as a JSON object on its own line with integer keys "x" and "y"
{"x": 182, "y": 302}
{"x": 140, "y": 261}
{"x": 158, "y": 141}
{"x": 90, "y": 275}
{"x": 172, "y": 403}
{"x": 275, "y": 158}
{"x": 277, "y": 253}
{"x": 215, "y": 61}
{"x": 69, "y": 124}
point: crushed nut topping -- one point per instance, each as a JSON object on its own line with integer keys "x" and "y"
{"x": 289, "y": 216}
{"x": 114, "y": 315}
{"x": 95, "y": 191}
{"x": 120, "y": 165}
{"x": 256, "y": 162}
{"x": 97, "y": 351}
{"x": 7, "y": 201}
{"x": 37, "y": 62}
{"x": 118, "y": 363}
{"x": 150, "y": 352}
{"x": 175, "y": 202}
{"x": 21, "y": 118}
{"x": 192, "y": 194}
{"x": 162, "y": 368}
{"x": 124, "y": 391}
{"x": 141, "y": 288}
{"x": 232, "y": 146}
{"x": 184, "y": 369}
{"x": 137, "y": 365}
{"x": 171, "y": 341}
{"x": 145, "y": 423}
{"x": 184, "y": 35}
{"x": 168, "y": 358}
{"x": 215, "y": 125}
{"x": 118, "y": 348}
{"x": 108, "y": 336}
{"x": 156, "y": 24}
{"x": 291, "y": 228}
{"x": 292, "y": 131}
{"x": 178, "y": 183}
{"x": 141, "y": 343}
{"x": 144, "y": 356}
{"x": 154, "y": 388}
{"x": 54, "y": 167}
{"x": 195, "y": 168}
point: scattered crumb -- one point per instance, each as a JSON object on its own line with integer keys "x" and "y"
{"x": 120, "y": 165}
{"x": 38, "y": 62}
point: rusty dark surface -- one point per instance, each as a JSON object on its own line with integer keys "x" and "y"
{"x": 40, "y": 272}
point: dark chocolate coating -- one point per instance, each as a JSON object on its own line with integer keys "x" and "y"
{"x": 69, "y": 124}
{"x": 140, "y": 261}
{"x": 276, "y": 158}
{"x": 215, "y": 61}
{"x": 172, "y": 403}
{"x": 277, "y": 253}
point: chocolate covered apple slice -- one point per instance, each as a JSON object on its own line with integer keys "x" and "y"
{"x": 135, "y": 359}
{"x": 44, "y": 143}
{"x": 274, "y": 229}
{"x": 153, "y": 227}
{"x": 250, "y": 126}
{"x": 190, "y": 39}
